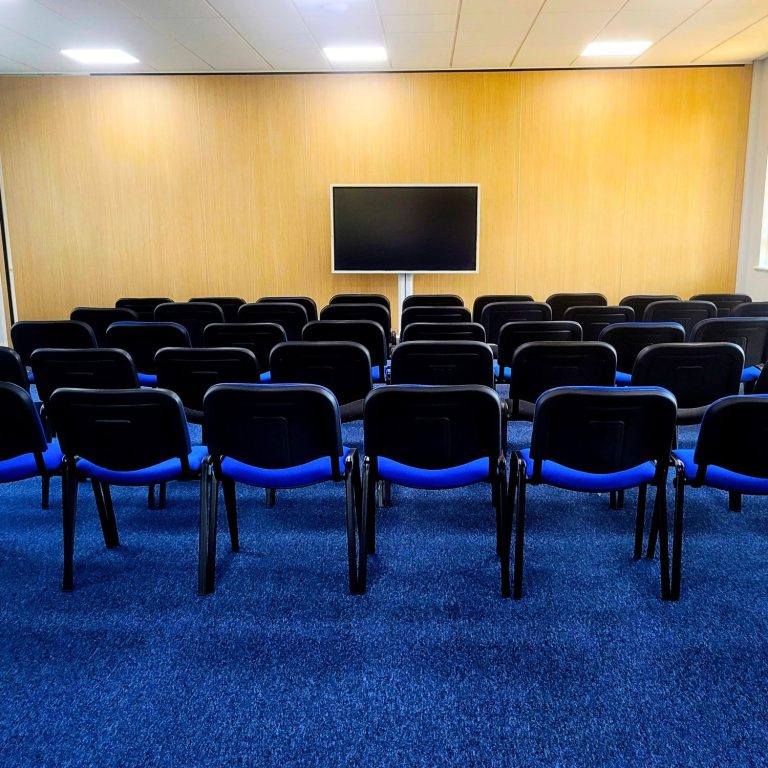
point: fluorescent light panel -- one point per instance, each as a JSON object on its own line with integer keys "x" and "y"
{"x": 626, "y": 48}
{"x": 362, "y": 54}
{"x": 100, "y": 56}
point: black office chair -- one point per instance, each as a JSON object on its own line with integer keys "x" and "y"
{"x": 272, "y": 436}
{"x": 118, "y": 437}
{"x": 438, "y": 314}
{"x": 144, "y": 307}
{"x": 228, "y": 305}
{"x": 750, "y": 333}
{"x": 594, "y": 319}
{"x": 429, "y": 438}
{"x": 366, "y": 332}
{"x": 559, "y": 302}
{"x": 494, "y": 298}
{"x": 515, "y": 334}
{"x": 628, "y": 339}
{"x": 433, "y": 300}
{"x": 442, "y": 362}
{"x": 443, "y": 332}
{"x": 29, "y": 335}
{"x": 259, "y": 338}
{"x": 372, "y": 312}
{"x": 599, "y": 439}
{"x": 193, "y": 315}
{"x": 12, "y": 369}
{"x": 100, "y": 318}
{"x": 360, "y": 298}
{"x": 495, "y": 316}
{"x": 639, "y": 302}
{"x": 309, "y": 304}
{"x": 725, "y": 302}
{"x": 751, "y": 309}
{"x": 687, "y": 313}
{"x": 292, "y": 317}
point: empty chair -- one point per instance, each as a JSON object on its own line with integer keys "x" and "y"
{"x": 725, "y": 302}
{"x": 750, "y": 333}
{"x": 100, "y": 318}
{"x": 594, "y": 319}
{"x": 259, "y": 338}
{"x": 309, "y": 304}
{"x": 751, "y": 309}
{"x": 12, "y": 369}
{"x": 29, "y": 335}
{"x": 687, "y": 313}
{"x": 443, "y": 332}
{"x": 639, "y": 302}
{"x": 600, "y": 439}
{"x": 541, "y": 365}
{"x": 292, "y": 317}
{"x": 761, "y": 385}
{"x": 376, "y": 313}
{"x": 344, "y": 367}
{"x": 228, "y": 305}
{"x": 433, "y": 300}
{"x": 142, "y": 340}
{"x": 629, "y": 338}
{"x": 360, "y": 298}
{"x": 494, "y": 298}
{"x": 495, "y": 316}
{"x": 438, "y": 314}
{"x": 429, "y": 438}
{"x": 559, "y": 302}
{"x": 515, "y": 334}
{"x": 193, "y": 315}
{"x": 276, "y": 436}
{"x": 442, "y": 362}
{"x": 366, "y": 332}
{"x": 191, "y": 372}
{"x": 144, "y": 307}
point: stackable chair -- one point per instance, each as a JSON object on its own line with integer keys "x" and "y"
{"x": 366, "y": 332}
{"x": 437, "y": 314}
{"x": 433, "y": 300}
{"x": 495, "y": 316}
{"x": 292, "y": 317}
{"x": 144, "y": 307}
{"x": 594, "y": 319}
{"x": 272, "y": 436}
{"x": 259, "y": 338}
{"x": 751, "y": 309}
{"x": 686, "y": 313}
{"x": 494, "y": 298}
{"x": 443, "y": 332}
{"x": 640, "y": 301}
{"x": 229, "y": 305}
{"x": 725, "y": 302}
{"x": 360, "y": 298}
{"x": 599, "y": 439}
{"x": 309, "y": 304}
{"x": 371, "y": 311}
{"x": 430, "y": 438}
{"x": 29, "y": 335}
{"x": 750, "y": 333}
{"x": 193, "y": 315}
{"x": 118, "y": 437}
{"x": 559, "y": 302}
{"x": 100, "y": 318}
{"x": 442, "y": 362}
{"x": 12, "y": 369}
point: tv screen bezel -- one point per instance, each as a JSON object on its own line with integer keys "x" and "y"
{"x": 474, "y": 271}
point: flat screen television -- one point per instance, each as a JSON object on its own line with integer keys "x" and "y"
{"x": 405, "y": 227}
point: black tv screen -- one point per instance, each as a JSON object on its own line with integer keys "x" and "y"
{"x": 408, "y": 228}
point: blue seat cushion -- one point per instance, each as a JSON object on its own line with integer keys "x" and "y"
{"x": 377, "y": 374}
{"x": 576, "y": 480}
{"x": 266, "y": 377}
{"x": 170, "y": 469}
{"x": 623, "y": 379}
{"x": 315, "y": 471}
{"x": 24, "y": 466}
{"x": 30, "y": 376}
{"x": 507, "y": 372}
{"x": 719, "y": 477}
{"x": 147, "y": 380}
{"x": 451, "y": 477}
{"x": 750, "y": 373}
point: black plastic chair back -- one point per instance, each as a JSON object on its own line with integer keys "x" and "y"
{"x": 603, "y": 430}
{"x": 344, "y": 367}
{"x": 228, "y": 305}
{"x": 308, "y": 303}
{"x": 433, "y": 427}
{"x": 103, "y": 368}
{"x": 22, "y": 431}
{"x": 121, "y": 429}
{"x": 594, "y": 319}
{"x": 442, "y": 362}
{"x": 628, "y": 339}
{"x": 494, "y": 298}
{"x": 259, "y": 338}
{"x": 273, "y": 426}
{"x": 495, "y": 316}
{"x": 750, "y": 333}
{"x": 360, "y": 298}
{"x": 100, "y": 318}
{"x": 443, "y": 332}
{"x": 725, "y": 302}
{"x": 292, "y": 317}
{"x": 142, "y": 340}
{"x": 559, "y": 302}
{"x": 366, "y": 332}
{"x": 515, "y": 334}
{"x": 194, "y": 316}
{"x": 687, "y": 313}
{"x": 433, "y": 300}
{"x": 444, "y": 314}
{"x": 696, "y": 374}
{"x": 372, "y": 312}
{"x": 12, "y": 369}
{"x": 751, "y": 309}
{"x": 639, "y": 302}
{"x": 143, "y": 307}
{"x": 29, "y": 335}
{"x": 761, "y": 385}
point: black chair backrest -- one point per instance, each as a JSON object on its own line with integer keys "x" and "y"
{"x": 696, "y": 374}
{"x": 292, "y": 317}
{"x": 308, "y": 303}
{"x": 629, "y": 338}
{"x": 639, "y": 302}
{"x": 376, "y": 313}
{"x": 594, "y": 319}
{"x": 193, "y": 315}
{"x": 29, "y": 335}
{"x": 433, "y": 300}
{"x": 515, "y": 334}
{"x": 142, "y": 340}
{"x": 761, "y": 385}
{"x": 22, "y": 430}
{"x": 259, "y": 338}
{"x": 687, "y": 313}
{"x": 561, "y": 301}
{"x": 360, "y": 298}
{"x": 443, "y": 332}
{"x": 541, "y": 365}
{"x": 750, "y": 333}
{"x": 725, "y": 302}
{"x": 495, "y": 316}
{"x": 732, "y": 435}
{"x": 365, "y": 332}
{"x": 228, "y": 305}
{"x": 191, "y": 372}
{"x": 494, "y": 298}
{"x": 344, "y": 367}
{"x": 444, "y": 314}
{"x": 100, "y": 318}
{"x": 103, "y": 368}
{"x": 442, "y": 362}
{"x": 433, "y": 427}
{"x": 121, "y": 429}
{"x": 603, "y": 429}
{"x": 273, "y": 426}
{"x": 12, "y": 368}
{"x": 144, "y": 307}
{"x": 751, "y": 309}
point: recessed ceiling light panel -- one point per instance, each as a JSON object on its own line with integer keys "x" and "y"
{"x": 100, "y": 56}
{"x": 360, "y": 54}
{"x": 619, "y": 48}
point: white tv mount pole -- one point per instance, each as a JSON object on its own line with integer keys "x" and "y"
{"x": 404, "y": 290}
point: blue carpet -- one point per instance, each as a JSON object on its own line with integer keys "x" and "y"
{"x": 283, "y": 667}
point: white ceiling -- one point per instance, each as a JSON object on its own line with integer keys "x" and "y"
{"x": 288, "y": 35}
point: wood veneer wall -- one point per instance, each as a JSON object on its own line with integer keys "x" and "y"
{"x": 621, "y": 181}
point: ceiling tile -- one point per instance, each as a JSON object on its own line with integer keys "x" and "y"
{"x": 417, "y": 7}
{"x": 301, "y": 60}
{"x": 424, "y": 58}
{"x": 636, "y": 23}
{"x": 491, "y": 29}
{"x": 87, "y": 9}
{"x": 10, "y": 66}
{"x": 482, "y": 57}
{"x": 171, "y": 9}
{"x": 355, "y": 29}
{"x": 582, "y": 6}
{"x": 44, "y": 26}
{"x": 257, "y": 30}
{"x": 436, "y": 22}
{"x": 336, "y": 7}
{"x": 748, "y": 45}
{"x": 501, "y": 6}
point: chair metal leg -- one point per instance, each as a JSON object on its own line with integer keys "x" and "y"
{"x": 506, "y": 526}
{"x": 161, "y": 495}
{"x": 69, "y": 515}
{"x": 368, "y": 511}
{"x": 660, "y": 512}
{"x": 151, "y": 496}
{"x": 46, "y": 492}
{"x": 734, "y": 501}
{"x": 103, "y": 497}
{"x": 620, "y": 499}
{"x": 204, "y": 530}
{"x": 230, "y": 502}
{"x": 213, "y": 527}
{"x": 677, "y": 533}
{"x": 351, "y": 509}
{"x": 269, "y": 497}
{"x": 517, "y": 591}
{"x": 370, "y": 520}
{"x": 640, "y": 520}
{"x": 650, "y": 552}
{"x": 384, "y": 493}
{"x": 612, "y": 500}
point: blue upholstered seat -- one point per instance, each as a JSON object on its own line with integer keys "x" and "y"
{"x": 750, "y": 373}
{"x": 147, "y": 379}
{"x": 158, "y": 473}
{"x": 719, "y": 477}
{"x": 449, "y": 477}
{"x": 497, "y": 372}
{"x": 24, "y": 466}
{"x": 623, "y": 379}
